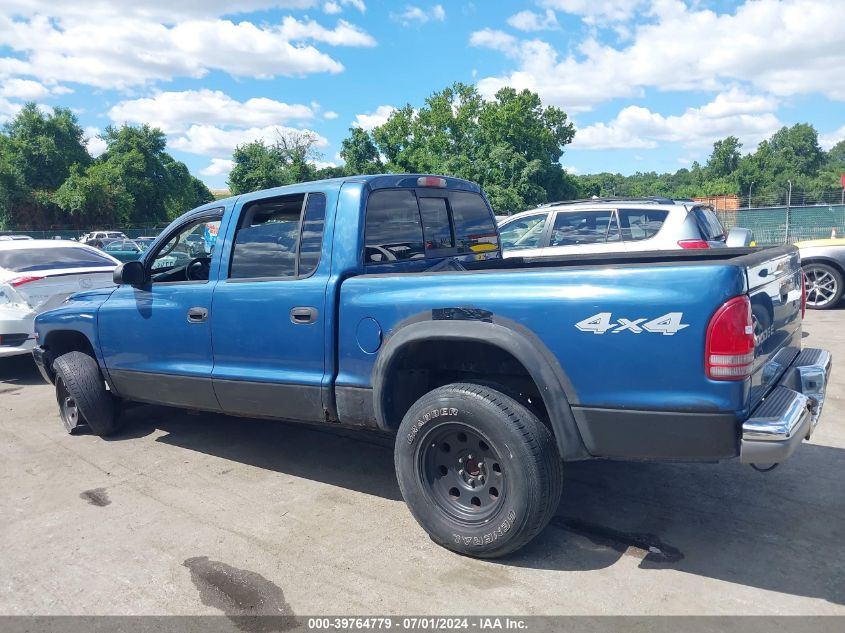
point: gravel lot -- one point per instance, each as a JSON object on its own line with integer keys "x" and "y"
{"x": 203, "y": 514}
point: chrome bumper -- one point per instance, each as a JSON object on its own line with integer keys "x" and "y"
{"x": 790, "y": 413}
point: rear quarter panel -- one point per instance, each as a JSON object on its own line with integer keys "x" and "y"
{"x": 624, "y": 369}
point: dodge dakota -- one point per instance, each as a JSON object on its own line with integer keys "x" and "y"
{"x": 383, "y": 301}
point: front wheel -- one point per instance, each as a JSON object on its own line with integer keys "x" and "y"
{"x": 479, "y": 472}
{"x": 82, "y": 395}
{"x": 824, "y": 285}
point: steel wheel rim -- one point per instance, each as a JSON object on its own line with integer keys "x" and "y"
{"x": 821, "y": 287}
{"x": 462, "y": 473}
{"x": 68, "y": 409}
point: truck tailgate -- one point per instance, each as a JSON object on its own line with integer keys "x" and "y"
{"x": 774, "y": 288}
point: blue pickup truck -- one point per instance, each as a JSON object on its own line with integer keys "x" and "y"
{"x": 384, "y": 302}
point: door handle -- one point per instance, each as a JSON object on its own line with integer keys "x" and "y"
{"x": 303, "y": 316}
{"x": 197, "y": 315}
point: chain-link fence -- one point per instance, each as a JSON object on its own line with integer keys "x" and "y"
{"x": 785, "y": 225}
{"x": 73, "y": 234}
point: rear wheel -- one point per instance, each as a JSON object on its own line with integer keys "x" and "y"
{"x": 82, "y": 395}
{"x": 479, "y": 471}
{"x": 824, "y": 286}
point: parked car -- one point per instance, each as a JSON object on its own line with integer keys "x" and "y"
{"x": 9, "y": 238}
{"x": 99, "y": 239}
{"x": 144, "y": 242}
{"x": 37, "y": 275}
{"x": 489, "y": 372}
{"x": 610, "y": 225}
{"x": 123, "y": 250}
{"x": 823, "y": 262}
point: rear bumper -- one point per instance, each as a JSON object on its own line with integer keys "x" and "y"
{"x": 790, "y": 413}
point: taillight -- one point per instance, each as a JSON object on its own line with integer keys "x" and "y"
{"x": 803, "y": 295}
{"x": 431, "y": 181}
{"x": 693, "y": 244}
{"x": 20, "y": 281}
{"x": 729, "y": 345}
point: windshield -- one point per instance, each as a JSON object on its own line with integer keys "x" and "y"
{"x": 26, "y": 260}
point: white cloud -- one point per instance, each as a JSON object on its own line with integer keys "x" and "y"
{"x": 418, "y": 15}
{"x": 531, "y": 21}
{"x": 782, "y": 47}
{"x": 597, "y": 11}
{"x": 322, "y": 164}
{"x": 95, "y": 10}
{"x": 211, "y": 140}
{"x": 330, "y": 115}
{"x": 344, "y": 34}
{"x": 749, "y": 117}
{"x": 218, "y": 167}
{"x": 25, "y": 89}
{"x": 829, "y": 140}
{"x": 174, "y": 111}
{"x": 95, "y": 144}
{"x": 369, "y": 120}
{"x": 496, "y": 40}
{"x": 8, "y": 110}
{"x": 117, "y": 45}
{"x": 569, "y": 169}
{"x": 332, "y": 8}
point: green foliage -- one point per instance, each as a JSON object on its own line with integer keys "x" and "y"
{"x": 510, "y": 145}
{"x": 261, "y": 166}
{"x": 360, "y": 153}
{"x": 791, "y": 154}
{"x": 48, "y": 178}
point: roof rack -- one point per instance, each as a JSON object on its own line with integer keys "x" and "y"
{"x": 651, "y": 199}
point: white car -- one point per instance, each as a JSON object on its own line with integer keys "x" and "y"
{"x": 37, "y": 275}
{"x": 611, "y": 225}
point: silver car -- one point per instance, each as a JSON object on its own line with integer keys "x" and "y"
{"x": 610, "y": 225}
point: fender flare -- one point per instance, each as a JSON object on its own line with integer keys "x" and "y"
{"x": 554, "y": 385}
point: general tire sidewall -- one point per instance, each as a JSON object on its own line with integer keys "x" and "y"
{"x": 507, "y": 523}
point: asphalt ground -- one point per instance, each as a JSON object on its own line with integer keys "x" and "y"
{"x": 204, "y": 514}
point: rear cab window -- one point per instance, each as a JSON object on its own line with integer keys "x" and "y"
{"x": 404, "y": 224}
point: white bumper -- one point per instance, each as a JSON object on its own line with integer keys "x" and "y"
{"x": 16, "y": 320}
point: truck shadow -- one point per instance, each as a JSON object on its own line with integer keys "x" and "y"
{"x": 783, "y": 531}
{"x": 19, "y": 371}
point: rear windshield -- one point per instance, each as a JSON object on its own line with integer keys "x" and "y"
{"x": 709, "y": 225}
{"x": 26, "y": 260}
{"x": 404, "y": 224}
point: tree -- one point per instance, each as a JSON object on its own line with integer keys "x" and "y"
{"x": 95, "y": 196}
{"x": 43, "y": 147}
{"x": 511, "y": 145}
{"x": 725, "y": 157}
{"x": 360, "y": 154}
{"x": 260, "y": 166}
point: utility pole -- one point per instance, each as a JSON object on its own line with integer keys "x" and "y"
{"x": 750, "y": 187}
{"x": 788, "y": 203}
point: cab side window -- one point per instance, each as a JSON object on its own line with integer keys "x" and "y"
{"x": 279, "y": 237}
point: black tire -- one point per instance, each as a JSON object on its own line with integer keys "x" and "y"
{"x": 824, "y": 285}
{"x": 479, "y": 472}
{"x": 82, "y": 396}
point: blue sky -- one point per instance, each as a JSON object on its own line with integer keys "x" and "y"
{"x": 649, "y": 84}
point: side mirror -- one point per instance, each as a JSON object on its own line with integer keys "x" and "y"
{"x": 132, "y": 273}
{"x": 738, "y": 238}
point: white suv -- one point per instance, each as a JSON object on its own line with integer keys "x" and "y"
{"x": 610, "y": 225}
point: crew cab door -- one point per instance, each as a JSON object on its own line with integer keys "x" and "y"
{"x": 268, "y": 329}
{"x": 156, "y": 338}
